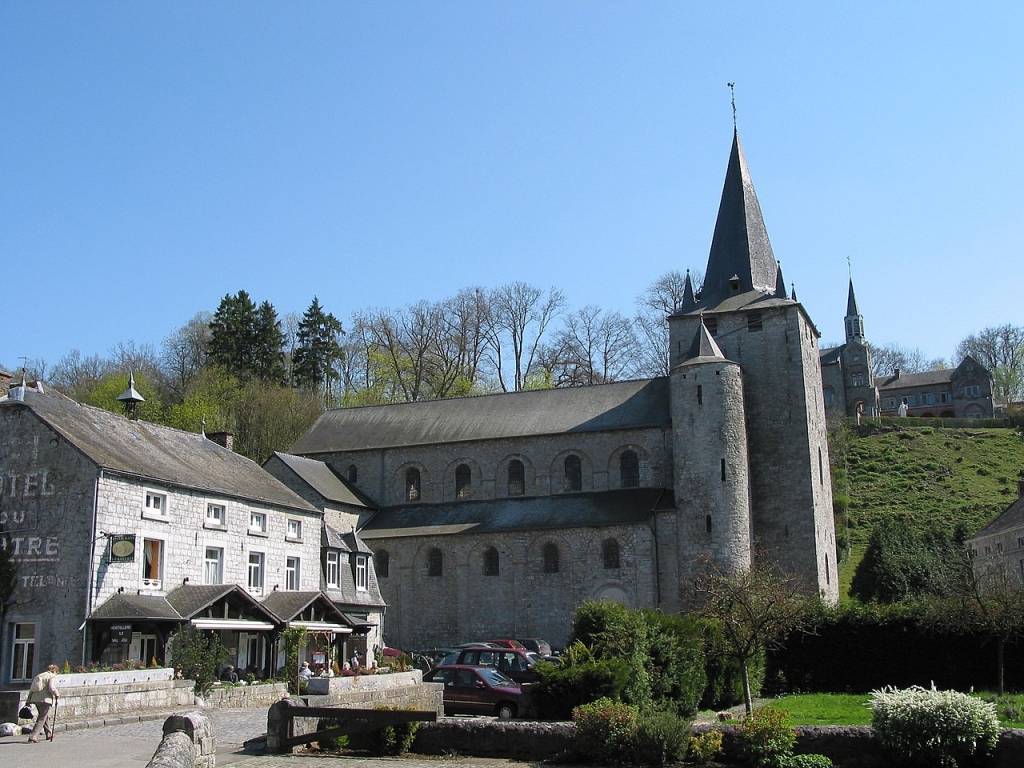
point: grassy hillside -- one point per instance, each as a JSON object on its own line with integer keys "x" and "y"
{"x": 926, "y": 475}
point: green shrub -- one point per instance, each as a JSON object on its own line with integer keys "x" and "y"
{"x": 391, "y": 739}
{"x": 605, "y": 730}
{"x": 705, "y": 747}
{"x": 331, "y": 742}
{"x": 660, "y": 738}
{"x": 807, "y": 761}
{"x": 678, "y": 674}
{"x": 199, "y": 653}
{"x": 934, "y": 728}
{"x": 559, "y": 690}
{"x": 767, "y": 737}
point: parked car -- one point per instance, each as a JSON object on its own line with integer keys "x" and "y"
{"x": 538, "y": 646}
{"x": 516, "y": 663}
{"x": 507, "y": 643}
{"x": 477, "y": 691}
{"x": 434, "y": 657}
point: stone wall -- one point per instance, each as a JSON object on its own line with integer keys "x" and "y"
{"x": 257, "y": 696}
{"x": 188, "y": 742}
{"x": 95, "y": 701}
{"x": 403, "y": 690}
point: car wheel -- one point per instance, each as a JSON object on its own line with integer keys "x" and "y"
{"x": 506, "y": 711}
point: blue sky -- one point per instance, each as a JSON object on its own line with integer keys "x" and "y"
{"x": 157, "y": 156}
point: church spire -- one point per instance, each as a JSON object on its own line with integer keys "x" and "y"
{"x": 854, "y": 319}
{"x": 741, "y": 257}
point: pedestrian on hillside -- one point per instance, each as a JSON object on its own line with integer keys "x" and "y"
{"x": 43, "y": 693}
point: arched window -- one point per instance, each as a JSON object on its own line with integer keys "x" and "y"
{"x": 435, "y": 563}
{"x": 463, "y": 482}
{"x": 516, "y": 478}
{"x": 353, "y": 473}
{"x": 629, "y": 469}
{"x": 610, "y": 550}
{"x": 573, "y": 473}
{"x": 490, "y": 562}
{"x": 550, "y": 557}
{"x": 382, "y": 561}
{"x": 412, "y": 484}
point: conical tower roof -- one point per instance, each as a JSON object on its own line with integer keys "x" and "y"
{"x": 704, "y": 345}
{"x": 740, "y": 249}
{"x": 851, "y": 303}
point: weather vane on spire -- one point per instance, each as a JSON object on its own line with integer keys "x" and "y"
{"x": 849, "y": 269}
{"x": 732, "y": 91}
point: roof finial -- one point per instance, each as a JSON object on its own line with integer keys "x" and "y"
{"x": 849, "y": 269}
{"x": 732, "y": 91}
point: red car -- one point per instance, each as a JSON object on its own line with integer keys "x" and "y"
{"x": 508, "y": 644}
{"x": 477, "y": 691}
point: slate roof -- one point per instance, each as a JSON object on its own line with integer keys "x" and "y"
{"x": 922, "y": 379}
{"x": 703, "y": 347}
{"x": 577, "y": 510}
{"x": 740, "y": 246}
{"x": 158, "y": 453}
{"x": 621, "y": 405}
{"x": 830, "y": 356}
{"x": 128, "y": 607}
{"x": 322, "y": 479}
{"x": 1009, "y": 519}
{"x": 288, "y": 605}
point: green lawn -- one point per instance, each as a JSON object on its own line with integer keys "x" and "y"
{"x": 851, "y": 709}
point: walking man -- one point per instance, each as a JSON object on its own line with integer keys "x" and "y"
{"x": 43, "y": 693}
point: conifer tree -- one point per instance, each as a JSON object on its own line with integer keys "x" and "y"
{"x": 319, "y": 349}
{"x": 268, "y": 360}
{"x": 233, "y": 335}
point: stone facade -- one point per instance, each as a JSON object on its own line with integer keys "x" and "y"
{"x": 496, "y": 516}
{"x": 122, "y": 531}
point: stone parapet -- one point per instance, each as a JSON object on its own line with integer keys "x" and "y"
{"x": 257, "y": 696}
{"x": 188, "y": 742}
{"x": 97, "y": 701}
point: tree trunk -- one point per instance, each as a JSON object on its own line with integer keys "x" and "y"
{"x": 748, "y": 700}
{"x": 1000, "y": 648}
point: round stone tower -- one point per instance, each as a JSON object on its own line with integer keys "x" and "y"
{"x": 712, "y": 488}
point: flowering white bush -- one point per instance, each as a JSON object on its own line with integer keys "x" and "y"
{"x": 940, "y": 728}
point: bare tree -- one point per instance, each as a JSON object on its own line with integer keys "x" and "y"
{"x": 522, "y": 314}
{"x": 593, "y": 347}
{"x": 890, "y": 357}
{"x": 186, "y": 353}
{"x": 756, "y": 610}
{"x": 659, "y": 300}
{"x": 1001, "y": 350}
{"x": 76, "y": 376}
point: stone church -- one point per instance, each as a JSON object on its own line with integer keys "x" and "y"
{"x": 497, "y": 515}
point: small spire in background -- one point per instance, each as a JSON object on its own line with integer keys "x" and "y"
{"x": 131, "y": 398}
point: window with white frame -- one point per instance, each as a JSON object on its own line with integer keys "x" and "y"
{"x": 216, "y": 515}
{"x": 292, "y": 573}
{"x": 213, "y": 566}
{"x": 294, "y": 529}
{"x": 23, "y": 653}
{"x": 257, "y": 522}
{"x": 256, "y": 572}
{"x": 155, "y": 505}
{"x": 152, "y": 563}
{"x": 332, "y": 569}
{"x": 361, "y": 573}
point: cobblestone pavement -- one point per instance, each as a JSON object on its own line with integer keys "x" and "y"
{"x": 131, "y": 744}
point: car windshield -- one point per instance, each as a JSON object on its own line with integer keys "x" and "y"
{"x": 533, "y": 657}
{"x": 496, "y": 678}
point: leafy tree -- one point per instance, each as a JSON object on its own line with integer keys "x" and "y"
{"x": 268, "y": 362}
{"x": 904, "y": 562}
{"x": 756, "y": 609}
{"x": 318, "y": 350}
{"x": 110, "y": 386}
{"x": 233, "y": 335}
{"x": 199, "y": 654}
{"x": 612, "y": 631}
{"x": 989, "y": 601}
{"x": 1001, "y": 350}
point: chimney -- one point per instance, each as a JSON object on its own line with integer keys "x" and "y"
{"x": 896, "y": 373}
{"x": 223, "y": 439}
{"x": 1020, "y": 489}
